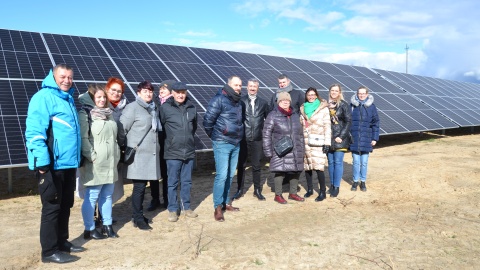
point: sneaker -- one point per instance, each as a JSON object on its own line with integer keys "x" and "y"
{"x": 295, "y": 197}
{"x": 189, "y": 213}
{"x": 354, "y": 186}
{"x": 172, "y": 216}
{"x": 363, "y": 187}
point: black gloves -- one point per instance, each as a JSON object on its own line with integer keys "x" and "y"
{"x": 46, "y": 186}
{"x": 326, "y": 148}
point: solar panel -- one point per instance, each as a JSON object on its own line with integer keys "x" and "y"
{"x": 406, "y": 102}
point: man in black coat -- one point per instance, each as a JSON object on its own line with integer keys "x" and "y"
{"x": 284, "y": 85}
{"x": 179, "y": 120}
{"x": 254, "y": 110}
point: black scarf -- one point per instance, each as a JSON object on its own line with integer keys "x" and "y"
{"x": 231, "y": 93}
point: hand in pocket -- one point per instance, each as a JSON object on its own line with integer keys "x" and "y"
{"x": 46, "y": 186}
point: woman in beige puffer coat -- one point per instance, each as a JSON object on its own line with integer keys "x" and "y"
{"x": 315, "y": 119}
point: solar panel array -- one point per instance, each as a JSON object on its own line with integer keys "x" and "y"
{"x": 406, "y": 103}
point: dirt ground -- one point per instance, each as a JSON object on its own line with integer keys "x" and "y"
{"x": 421, "y": 211}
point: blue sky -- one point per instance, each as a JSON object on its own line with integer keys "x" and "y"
{"x": 443, "y": 36}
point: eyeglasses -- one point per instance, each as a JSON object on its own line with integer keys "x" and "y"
{"x": 146, "y": 91}
{"x": 118, "y": 91}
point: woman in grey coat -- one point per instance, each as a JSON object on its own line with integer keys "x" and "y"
{"x": 139, "y": 118}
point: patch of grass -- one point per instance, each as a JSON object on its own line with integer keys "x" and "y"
{"x": 258, "y": 262}
{"x": 313, "y": 244}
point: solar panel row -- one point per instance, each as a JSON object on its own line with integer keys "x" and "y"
{"x": 406, "y": 103}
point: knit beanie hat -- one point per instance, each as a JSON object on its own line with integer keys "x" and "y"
{"x": 282, "y": 96}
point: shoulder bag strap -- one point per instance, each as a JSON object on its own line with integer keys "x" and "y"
{"x": 148, "y": 130}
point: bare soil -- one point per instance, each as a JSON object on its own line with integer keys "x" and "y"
{"x": 421, "y": 211}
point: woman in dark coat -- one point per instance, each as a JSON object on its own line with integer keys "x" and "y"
{"x": 365, "y": 133}
{"x": 280, "y": 122}
{"x": 341, "y": 119}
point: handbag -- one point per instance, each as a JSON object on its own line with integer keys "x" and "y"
{"x": 129, "y": 153}
{"x": 315, "y": 139}
{"x": 283, "y": 146}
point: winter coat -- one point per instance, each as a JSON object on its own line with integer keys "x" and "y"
{"x": 179, "y": 124}
{"x": 318, "y": 124}
{"x": 117, "y": 111}
{"x": 278, "y": 125}
{"x": 99, "y": 147}
{"x": 341, "y": 128}
{"x": 365, "y": 124}
{"x": 253, "y": 122}
{"x": 298, "y": 98}
{"x": 52, "y": 129}
{"x": 135, "y": 122}
{"x": 223, "y": 119}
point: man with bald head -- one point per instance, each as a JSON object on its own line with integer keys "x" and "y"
{"x": 223, "y": 124}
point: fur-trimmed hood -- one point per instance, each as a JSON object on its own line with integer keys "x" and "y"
{"x": 356, "y": 102}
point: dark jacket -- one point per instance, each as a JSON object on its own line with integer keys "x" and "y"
{"x": 223, "y": 119}
{"x": 365, "y": 124}
{"x": 298, "y": 98}
{"x": 341, "y": 128}
{"x": 254, "y": 122}
{"x": 179, "y": 124}
{"x": 276, "y": 126}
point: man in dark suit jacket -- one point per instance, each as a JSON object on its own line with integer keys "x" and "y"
{"x": 254, "y": 110}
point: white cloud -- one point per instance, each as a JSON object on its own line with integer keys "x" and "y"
{"x": 199, "y": 34}
{"x": 287, "y": 41}
{"x": 381, "y": 60}
{"x": 240, "y": 46}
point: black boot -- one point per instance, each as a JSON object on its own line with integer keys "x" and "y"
{"x": 308, "y": 194}
{"x": 109, "y": 232}
{"x": 93, "y": 234}
{"x": 258, "y": 193}
{"x": 238, "y": 195}
{"x": 321, "y": 196}
{"x": 330, "y": 189}
{"x": 363, "y": 187}
{"x": 354, "y": 186}
{"x": 334, "y": 192}
{"x": 153, "y": 205}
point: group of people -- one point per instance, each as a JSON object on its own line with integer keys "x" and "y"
{"x": 157, "y": 129}
{"x": 297, "y": 131}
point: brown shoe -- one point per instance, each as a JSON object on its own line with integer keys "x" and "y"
{"x": 218, "y": 214}
{"x": 229, "y": 207}
{"x": 295, "y": 197}
{"x": 280, "y": 199}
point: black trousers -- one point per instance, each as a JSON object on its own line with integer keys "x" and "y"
{"x": 154, "y": 185}
{"x": 320, "y": 176}
{"x": 56, "y": 212}
{"x": 138, "y": 194}
{"x": 254, "y": 148}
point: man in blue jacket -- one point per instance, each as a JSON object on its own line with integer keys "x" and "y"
{"x": 223, "y": 124}
{"x": 53, "y": 148}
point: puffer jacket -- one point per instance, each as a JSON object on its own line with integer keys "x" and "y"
{"x": 52, "y": 129}
{"x": 278, "y": 125}
{"x": 254, "y": 121}
{"x": 341, "y": 128}
{"x": 99, "y": 147}
{"x": 365, "y": 124}
{"x": 318, "y": 124}
{"x": 223, "y": 119}
{"x": 179, "y": 124}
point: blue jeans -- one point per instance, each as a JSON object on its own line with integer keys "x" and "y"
{"x": 179, "y": 171}
{"x": 360, "y": 162}
{"x": 102, "y": 193}
{"x": 226, "y": 159}
{"x": 335, "y": 167}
